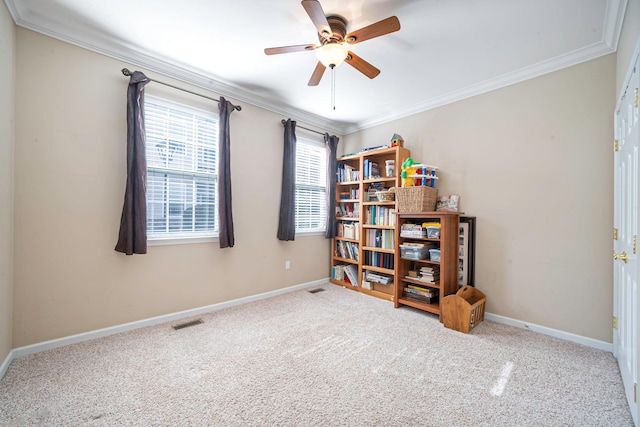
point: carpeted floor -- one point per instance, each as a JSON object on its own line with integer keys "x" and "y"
{"x": 330, "y": 358}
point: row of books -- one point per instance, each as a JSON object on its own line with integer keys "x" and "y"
{"x": 379, "y": 215}
{"x": 347, "y": 173}
{"x": 380, "y": 238}
{"x": 349, "y": 209}
{"x": 378, "y": 259}
{"x": 348, "y": 230}
{"x": 347, "y": 250}
{"x": 371, "y": 169}
{"x": 345, "y": 273}
{"x": 353, "y": 194}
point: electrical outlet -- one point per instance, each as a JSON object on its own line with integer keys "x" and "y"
{"x": 287, "y": 265}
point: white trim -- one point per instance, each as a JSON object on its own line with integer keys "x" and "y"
{"x": 5, "y": 365}
{"x": 99, "y": 333}
{"x": 130, "y": 54}
{"x": 567, "y": 336}
{"x": 627, "y": 78}
{"x": 181, "y": 240}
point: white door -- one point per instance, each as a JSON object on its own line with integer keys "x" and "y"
{"x": 625, "y": 247}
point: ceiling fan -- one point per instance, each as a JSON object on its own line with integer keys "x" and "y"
{"x": 334, "y": 41}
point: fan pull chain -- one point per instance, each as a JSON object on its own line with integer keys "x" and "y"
{"x": 333, "y": 87}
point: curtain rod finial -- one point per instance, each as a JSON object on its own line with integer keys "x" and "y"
{"x": 237, "y": 108}
{"x": 126, "y": 72}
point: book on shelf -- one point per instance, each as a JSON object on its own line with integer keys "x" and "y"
{"x": 349, "y": 231}
{"x": 378, "y": 259}
{"x": 351, "y": 272}
{"x": 346, "y": 173}
{"x": 424, "y": 289}
{"x": 371, "y": 169}
{"x": 380, "y": 278}
{"x": 428, "y": 297}
{"x": 380, "y": 238}
{"x": 337, "y": 272}
{"x": 379, "y": 215}
{"x": 347, "y": 250}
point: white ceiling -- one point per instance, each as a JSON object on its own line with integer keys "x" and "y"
{"x": 446, "y": 50}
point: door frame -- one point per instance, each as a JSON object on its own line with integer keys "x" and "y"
{"x": 634, "y": 406}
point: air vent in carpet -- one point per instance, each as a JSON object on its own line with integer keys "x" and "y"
{"x": 315, "y": 291}
{"x": 187, "y": 324}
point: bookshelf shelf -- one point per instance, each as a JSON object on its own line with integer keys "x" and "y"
{"x": 378, "y": 269}
{"x": 359, "y": 177}
{"x": 378, "y": 227}
{"x": 377, "y": 249}
{"x": 431, "y": 308}
{"x": 444, "y": 271}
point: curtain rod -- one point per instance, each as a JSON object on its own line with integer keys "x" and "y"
{"x": 128, "y": 73}
{"x": 283, "y": 121}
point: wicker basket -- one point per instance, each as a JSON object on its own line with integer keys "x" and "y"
{"x": 416, "y": 199}
{"x": 385, "y": 196}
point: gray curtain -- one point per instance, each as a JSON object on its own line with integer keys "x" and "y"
{"x": 331, "y": 143}
{"x": 132, "y": 238}
{"x": 224, "y": 176}
{"x": 287, "y": 219}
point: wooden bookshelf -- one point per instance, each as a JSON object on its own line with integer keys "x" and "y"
{"x": 447, "y": 265}
{"x": 352, "y": 197}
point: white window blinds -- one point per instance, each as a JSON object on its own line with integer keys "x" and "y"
{"x": 311, "y": 183}
{"x": 182, "y": 147}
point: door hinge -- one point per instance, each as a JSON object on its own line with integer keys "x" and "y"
{"x": 635, "y": 244}
{"x": 635, "y": 392}
{"x": 636, "y": 97}
{"x": 615, "y": 322}
{"x": 616, "y": 146}
{"x": 615, "y": 234}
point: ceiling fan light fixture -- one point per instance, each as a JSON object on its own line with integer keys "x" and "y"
{"x": 332, "y": 54}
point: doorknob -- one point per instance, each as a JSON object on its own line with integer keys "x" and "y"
{"x": 621, "y": 257}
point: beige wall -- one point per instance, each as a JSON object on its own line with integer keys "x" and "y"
{"x": 7, "y": 72}
{"x": 628, "y": 41}
{"x": 69, "y": 183}
{"x": 533, "y": 161}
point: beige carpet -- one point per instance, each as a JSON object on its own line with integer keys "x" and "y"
{"x": 326, "y": 359}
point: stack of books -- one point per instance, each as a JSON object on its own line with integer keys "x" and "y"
{"x": 420, "y": 293}
{"x": 430, "y": 274}
{"x": 383, "y": 279}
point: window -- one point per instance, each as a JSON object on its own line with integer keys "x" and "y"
{"x": 311, "y": 186}
{"x": 182, "y": 147}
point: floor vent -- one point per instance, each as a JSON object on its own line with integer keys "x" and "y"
{"x": 187, "y": 324}
{"x": 315, "y": 291}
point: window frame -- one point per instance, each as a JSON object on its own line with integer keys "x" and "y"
{"x": 323, "y": 171}
{"x": 157, "y": 239}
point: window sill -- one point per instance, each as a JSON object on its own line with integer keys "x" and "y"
{"x": 181, "y": 240}
{"x": 309, "y": 233}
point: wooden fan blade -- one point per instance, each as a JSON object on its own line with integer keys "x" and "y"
{"x": 380, "y": 28}
{"x": 361, "y": 65}
{"x": 287, "y": 49}
{"x": 317, "y": 74}
{"x": 315, "y": 12}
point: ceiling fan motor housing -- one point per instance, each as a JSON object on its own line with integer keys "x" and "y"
{"x": 338, "y": 27}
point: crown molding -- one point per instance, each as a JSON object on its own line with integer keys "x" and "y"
{"x": 165, "y": 66}
{"x": 612, "y": 28}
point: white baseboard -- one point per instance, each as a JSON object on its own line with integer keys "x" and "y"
{"x": 6, "y": 363}
{"x": 99, "y": 333}
{"x": 590, "y": 342}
